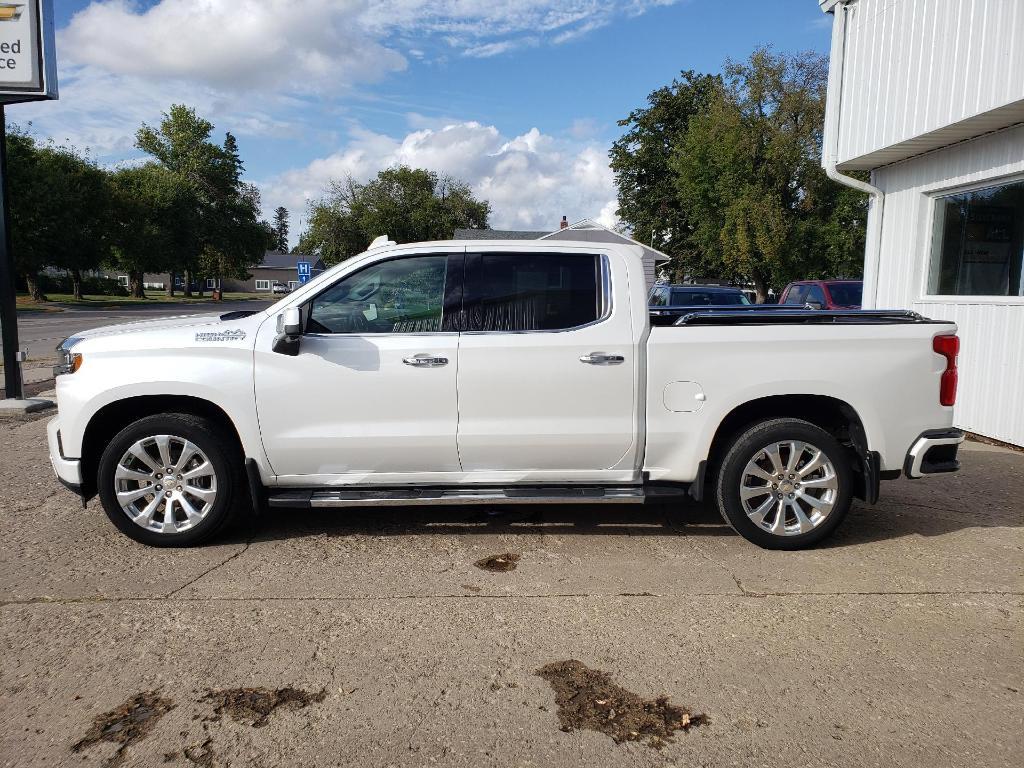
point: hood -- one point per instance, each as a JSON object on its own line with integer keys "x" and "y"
{"x": 139, "y": 326}
{"x": 169, "y": 332}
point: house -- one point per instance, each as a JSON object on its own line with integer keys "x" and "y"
{"x": 276, "y": 267}
{"x": 585, "y": 230}
{"x": 929, "y": 98}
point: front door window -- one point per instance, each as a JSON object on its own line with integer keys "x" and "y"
{"x": 397, "y": 296}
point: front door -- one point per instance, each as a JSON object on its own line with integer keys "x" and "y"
{"x": 547, "y": 370}
{"x": 371, "y": 395}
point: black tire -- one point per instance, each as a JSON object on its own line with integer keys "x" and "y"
{"x": 752, "y": 442}
{"x": 223, "y": 456}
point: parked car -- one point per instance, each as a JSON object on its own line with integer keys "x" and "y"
{"x": 670, "y": 302}
{"x": 824, "y": 294}
{"x": 280, "y": 288}
{"x": 499, "y": 372}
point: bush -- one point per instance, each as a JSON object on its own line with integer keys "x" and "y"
{"x": 91, "y": 286}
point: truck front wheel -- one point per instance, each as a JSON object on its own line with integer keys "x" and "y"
{"x": 169, "y": 480}
{"x": 785, "y": 484}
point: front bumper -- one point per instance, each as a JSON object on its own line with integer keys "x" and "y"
{"x": 69, "y": 471}
{"x": 934, "y": 452}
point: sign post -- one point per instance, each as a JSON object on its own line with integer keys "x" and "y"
{"x": 305, "y": 270}
{"x": 28, "y": 72}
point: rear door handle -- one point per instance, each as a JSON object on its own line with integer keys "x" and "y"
{"x": 425, "y": 361}
{"x": 602, "y": 358}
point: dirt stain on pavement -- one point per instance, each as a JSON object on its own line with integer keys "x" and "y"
{"x": 588, "y": 699}
{"x": 127, "y": 724}
{"x": 255, "y": 705}
{"x": 498, "y": 563}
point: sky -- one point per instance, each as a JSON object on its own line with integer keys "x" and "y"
{"x": 518, "y": 98}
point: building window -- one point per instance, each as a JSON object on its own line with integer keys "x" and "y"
{"x": 123, "y": 280}
{"x": 262, "y": 285}
{"x": 978, "y": 243}
{"x": 211, "y": 283}
{"x": 293, "y": 284}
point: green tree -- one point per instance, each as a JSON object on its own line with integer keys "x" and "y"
{"x": 147, "y": 204}
{"x": 748, "y": 174}
{"x": 281, "y": 229}
{"x": 407, "y": 204}
{"x": 59, "y": 203}
{"x": 649, "y": 204}
{"x": 220, "y": 228}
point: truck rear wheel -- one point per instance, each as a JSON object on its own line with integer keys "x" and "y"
{"x": 170, "y": 480}
{"x": 785, "y": 484}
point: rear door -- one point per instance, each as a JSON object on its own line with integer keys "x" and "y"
{"x": 546, "y": 365}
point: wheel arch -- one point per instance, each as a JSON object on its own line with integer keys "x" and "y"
{"x": 835, "y": 416}
{"x": 115, "y": 416}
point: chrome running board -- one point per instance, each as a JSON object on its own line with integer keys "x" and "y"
{"x": 400, "y": 497}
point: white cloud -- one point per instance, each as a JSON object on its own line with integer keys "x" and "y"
{"x": 313, "y": 45}
{"x": 305, "y": 45}
{"x": 531, "y": 180}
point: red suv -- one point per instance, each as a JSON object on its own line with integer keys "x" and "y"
{"x": 824, "y": 294}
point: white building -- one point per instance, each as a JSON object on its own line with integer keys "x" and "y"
{"x": 928, "y": 95}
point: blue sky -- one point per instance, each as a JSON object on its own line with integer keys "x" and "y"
{"x": 517, "y": 97}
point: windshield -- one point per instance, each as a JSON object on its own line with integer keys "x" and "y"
{"x": 846, "y": 294}
{"x": 695, "y": 297}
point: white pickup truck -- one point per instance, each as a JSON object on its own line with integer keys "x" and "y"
{"x": 500, "y": 372}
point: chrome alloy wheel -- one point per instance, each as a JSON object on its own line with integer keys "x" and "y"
{"x": 165, "y": 484}
{"x": 789, "y": 488}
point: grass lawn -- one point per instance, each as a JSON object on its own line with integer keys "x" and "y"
{"x": 25, "y": 304}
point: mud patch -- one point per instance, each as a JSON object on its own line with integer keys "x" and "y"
{"x": 498, "y": 563}
{"x": 128, "y": 724}
{"x": 588, "y": 699}
{"x": 255, "y": 705}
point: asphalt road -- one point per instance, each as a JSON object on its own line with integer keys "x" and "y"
{"x": 901, "y": 643}
{"x": 40, "y": 332}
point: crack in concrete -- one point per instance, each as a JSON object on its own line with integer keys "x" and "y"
{"x": 207, "y": 572}
{"x": 462, "y": 596}
{"x": 736, "y": 579}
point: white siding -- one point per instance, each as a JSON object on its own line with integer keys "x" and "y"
{"x": 991, "y": 394}
{"x": 917, "y": 66}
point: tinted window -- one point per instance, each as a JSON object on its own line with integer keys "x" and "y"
{"x": 398, "y": 296}
{"x": 978, "y": 243}
{"x": 846, "y": 294}
{"x": 814, "y": 293}
{"x": 531, "y": 291}
{"x": 796, "y": 295}
{"x": 659, "y": 297}
{"x": 728, "y": 299}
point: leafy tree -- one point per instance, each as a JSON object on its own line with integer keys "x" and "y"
{"x": 147, "y": 204}
{"x": 59, "y": 203}
{"x": 220, "y": 229}
{"x": 748, "y": 174}
{"x": 280, "y": 229}
{"x": 407, "y": 204}
{"x": 648, "y": 201}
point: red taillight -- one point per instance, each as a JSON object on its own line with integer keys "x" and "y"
{"x": 949, "y": 348}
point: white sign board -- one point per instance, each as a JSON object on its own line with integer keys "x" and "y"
{"x": 28, "y": 69}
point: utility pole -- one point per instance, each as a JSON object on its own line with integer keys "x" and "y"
{"x": 13, "y": 388}
{"x": 29, "y": 74}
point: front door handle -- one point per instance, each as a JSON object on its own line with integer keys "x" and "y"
{"x": 425, "y": 361}
{"x": 602, "y": 358}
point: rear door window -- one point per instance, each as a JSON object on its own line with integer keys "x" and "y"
{"x": 531, "y": 291}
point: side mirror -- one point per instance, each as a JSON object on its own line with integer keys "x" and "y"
{"x": 813, "y": 305}
{"x": 289, "y": 331}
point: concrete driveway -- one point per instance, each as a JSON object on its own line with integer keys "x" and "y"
{"x": 371, "y": 639}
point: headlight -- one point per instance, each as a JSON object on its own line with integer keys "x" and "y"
{"x": 67, "y": 361}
